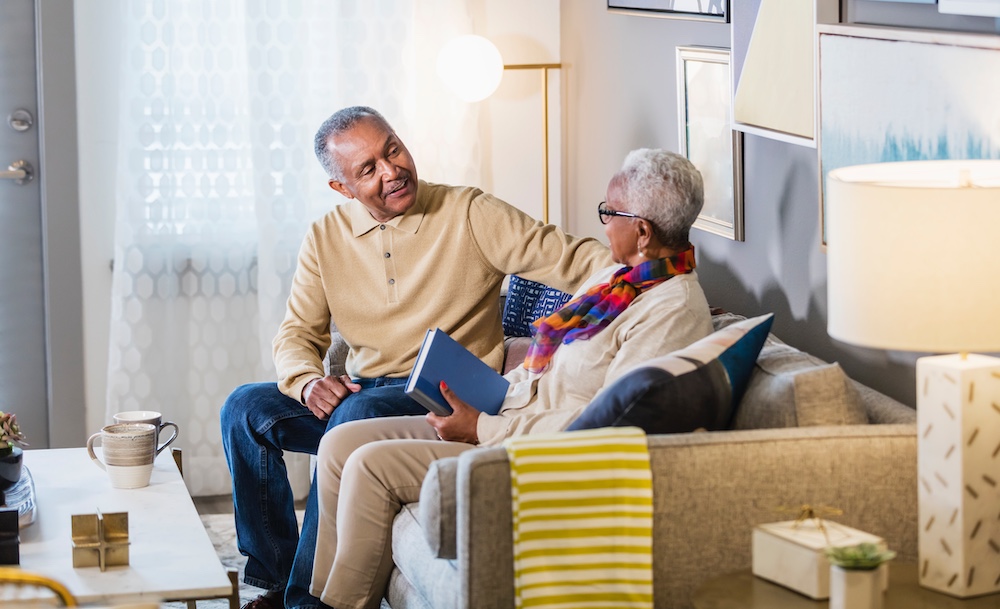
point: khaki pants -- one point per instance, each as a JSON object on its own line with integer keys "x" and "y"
{"x": 365, "y": 472}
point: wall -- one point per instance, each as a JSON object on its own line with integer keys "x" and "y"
{"x": 525, "y": 32}
{"x": 97, "y": 48}
{"x": 621, "y": 94}
{"x": 60, "y": 224}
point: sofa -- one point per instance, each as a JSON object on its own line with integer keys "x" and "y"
{"x": 803, "y": 434}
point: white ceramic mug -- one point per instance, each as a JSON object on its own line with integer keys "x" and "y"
{"x": 153, "y": 418}
{"x": 128, "y": 450}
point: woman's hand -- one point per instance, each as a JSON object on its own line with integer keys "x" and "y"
{"x": 461, "y": 425}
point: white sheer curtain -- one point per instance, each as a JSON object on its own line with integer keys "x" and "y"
{"x": 217, "y": 181}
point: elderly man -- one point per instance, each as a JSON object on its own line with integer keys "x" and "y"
{"x": 401, "y": 256}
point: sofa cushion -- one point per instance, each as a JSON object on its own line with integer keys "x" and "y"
{"x": 790, "y": 388}
{"x": 527, "y": 301}
{"x": 695, "y": 387}
{"x": 427, "y": 582}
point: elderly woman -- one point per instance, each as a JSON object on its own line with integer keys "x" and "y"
{"x": 621, "y": 317}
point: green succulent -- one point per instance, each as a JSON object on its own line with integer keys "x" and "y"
{"x": 10, "y": 433}
{"x": 861, "y": 556}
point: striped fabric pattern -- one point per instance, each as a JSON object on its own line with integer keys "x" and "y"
{"x": 583, "y": 519}
{"x": 592, "y": 311}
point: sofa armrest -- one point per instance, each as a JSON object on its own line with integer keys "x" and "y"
{"x": 710, "y": 489}
{"x": 484, "y": 535}
{"x": 514, "y": 350}
{"x": 437, "y": 507}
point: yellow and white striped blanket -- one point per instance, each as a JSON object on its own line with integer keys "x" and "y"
{"x": 583, "y": 519}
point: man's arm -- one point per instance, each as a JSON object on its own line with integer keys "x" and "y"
{"x": 304, "y": 334}
{"x": 517, "y": 244}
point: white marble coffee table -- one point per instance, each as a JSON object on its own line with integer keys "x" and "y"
{"x": 170, "y": 554}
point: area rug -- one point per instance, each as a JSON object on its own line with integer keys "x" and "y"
{"x": 221, "y": 530}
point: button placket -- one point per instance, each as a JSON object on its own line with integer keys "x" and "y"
{"x": 389, "y": 265}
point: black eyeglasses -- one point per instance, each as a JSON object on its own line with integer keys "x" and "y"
{"x": 605, "y": 214}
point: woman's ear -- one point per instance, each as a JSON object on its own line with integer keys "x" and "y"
{"x": 644, "y": 234}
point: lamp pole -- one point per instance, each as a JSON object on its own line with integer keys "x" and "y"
{"x": 544, "y": 67}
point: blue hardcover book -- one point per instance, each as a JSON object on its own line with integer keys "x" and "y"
{"x": 441, "y": 358}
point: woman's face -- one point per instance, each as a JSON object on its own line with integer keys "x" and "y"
{"x": 621, "y": 231}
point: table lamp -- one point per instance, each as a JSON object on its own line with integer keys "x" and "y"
{"x": 472, "y": 67}
{"x": 913, "y": 264}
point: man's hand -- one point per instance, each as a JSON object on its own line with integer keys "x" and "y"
{"x": 461, "y": 425}
{"x": 327, "y": 393}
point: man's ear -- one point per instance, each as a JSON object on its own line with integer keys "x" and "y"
{"x": 341, "y": 188}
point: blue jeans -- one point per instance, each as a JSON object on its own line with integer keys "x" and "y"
{"x": 258, "y": 424}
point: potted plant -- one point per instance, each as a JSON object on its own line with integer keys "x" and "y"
{"x": 11, "y": 453}
{"x": 855, "y": 576}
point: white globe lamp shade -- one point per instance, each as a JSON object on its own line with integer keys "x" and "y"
{"x": 471, "y": 66}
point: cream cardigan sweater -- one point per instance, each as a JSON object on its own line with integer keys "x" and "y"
{"x": 664, "y": 318}
{"x": 439, "y": 265}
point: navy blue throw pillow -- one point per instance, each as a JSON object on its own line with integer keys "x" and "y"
{"x": 697, "y": 386}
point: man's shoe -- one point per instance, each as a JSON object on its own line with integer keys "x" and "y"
{"x": 268, "y": 600}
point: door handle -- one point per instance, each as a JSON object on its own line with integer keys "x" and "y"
{"x": 20, "y": 171}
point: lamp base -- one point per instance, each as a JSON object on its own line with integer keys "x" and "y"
{"x": 958, "y": 467}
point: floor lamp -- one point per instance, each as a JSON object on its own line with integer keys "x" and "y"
{"x": 913, "y": 264}
{"x": 472, "y": 67}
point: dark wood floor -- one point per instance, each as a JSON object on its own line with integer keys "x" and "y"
{"x": 223, "y": 504}
{"x": 216, "y": 504}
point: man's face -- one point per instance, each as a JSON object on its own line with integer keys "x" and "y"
{"x": 377, "y": 168}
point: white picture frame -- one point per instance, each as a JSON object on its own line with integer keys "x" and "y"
{"x": 704, "y": 103}
{"x": 774, "y": 67}
{"x": 979, "y": 8}
{"x": 940, "y": 102}
{"x": 694, "y": 10}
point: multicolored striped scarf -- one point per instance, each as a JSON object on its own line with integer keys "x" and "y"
{"x": 590, "y": 313}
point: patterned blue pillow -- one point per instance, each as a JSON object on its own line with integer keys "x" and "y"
{"x": 527, "y": 301}
{"x": 697, "y": 386}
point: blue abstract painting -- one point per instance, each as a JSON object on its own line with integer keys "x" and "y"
{"x": 887, "y": 100}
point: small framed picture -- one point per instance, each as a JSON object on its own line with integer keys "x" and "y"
{"x": 707, "y": 138}
{"x": 700, "y": 10}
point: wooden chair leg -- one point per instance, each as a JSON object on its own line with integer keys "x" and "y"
{"x": 178, "y": 459}
{"x": 234, "y": 579}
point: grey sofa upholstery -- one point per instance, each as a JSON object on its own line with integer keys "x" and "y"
{"x": 839, "y": 444}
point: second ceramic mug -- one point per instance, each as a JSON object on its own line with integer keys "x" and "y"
{"x": 153, "y": 418}
{"x": 128, "y": 450}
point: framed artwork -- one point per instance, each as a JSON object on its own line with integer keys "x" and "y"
{"x": 905, "y": 95}
{"x": 982, "y": 8}
{"x": 774, "y": 66}
{"x": 700, "y": 10}
{"x": 707, "y": 139}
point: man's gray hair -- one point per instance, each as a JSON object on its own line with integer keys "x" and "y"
{"x": 664, "y": 188}
{"x": 339, "y": 122}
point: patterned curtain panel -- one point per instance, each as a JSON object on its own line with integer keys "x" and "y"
{"x": 217, "y": 181}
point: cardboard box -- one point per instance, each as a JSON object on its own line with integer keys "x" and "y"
{"x": 791, "y": 554}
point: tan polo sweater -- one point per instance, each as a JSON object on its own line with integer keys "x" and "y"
{"x": 439, "y": 265}
{"x": 669, "y": 316}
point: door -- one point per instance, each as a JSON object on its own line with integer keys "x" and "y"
{"x": 23, "y": 382}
